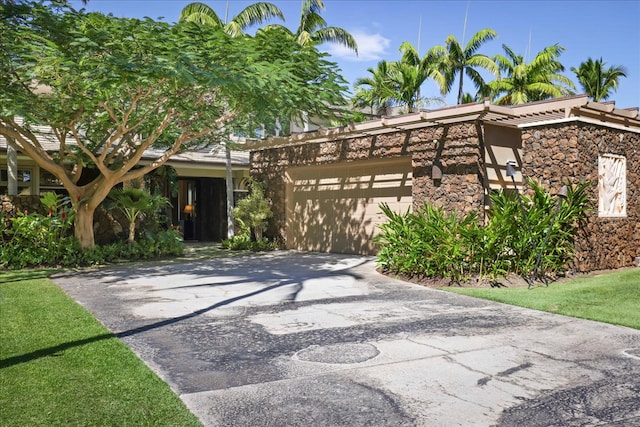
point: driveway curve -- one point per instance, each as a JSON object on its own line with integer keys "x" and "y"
{"x": 295, "y": 339}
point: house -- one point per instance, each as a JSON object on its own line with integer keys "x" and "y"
{"x": 198, "y": 206}
{"x": 326, "y": 185}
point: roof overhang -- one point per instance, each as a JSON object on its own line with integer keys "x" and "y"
{"x": 573, "y": 108}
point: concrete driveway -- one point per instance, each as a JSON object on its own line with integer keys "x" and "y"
{"x": 287, "y": 339}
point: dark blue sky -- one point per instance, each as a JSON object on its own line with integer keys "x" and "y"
{"x": 596, "y": 28}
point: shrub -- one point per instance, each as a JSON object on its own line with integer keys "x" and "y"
{"x": 254, "y": 211}
{"x": 251, "y": 217}
{"x": 520, "y": 235}
{"x": 37, "y": 240}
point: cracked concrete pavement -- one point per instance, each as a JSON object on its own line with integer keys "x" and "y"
{"x": 290, "y": 339}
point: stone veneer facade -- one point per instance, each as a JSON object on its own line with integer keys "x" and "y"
{"x": 454, "y": 147}
{"x": 555, "y": 154}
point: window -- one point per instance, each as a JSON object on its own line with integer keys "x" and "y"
{"x": 24, "y": 181}
{"x": 612, "y": 186}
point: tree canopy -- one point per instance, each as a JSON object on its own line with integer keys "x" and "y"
{"x": 597, "y": 80}
{"x": 108, "y": 89}
{"x": 538, "y": 80}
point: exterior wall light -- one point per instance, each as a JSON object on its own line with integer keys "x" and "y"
{"x": 436, "y": 172}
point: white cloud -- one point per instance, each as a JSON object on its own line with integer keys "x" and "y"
{"x": 371, "y": 47}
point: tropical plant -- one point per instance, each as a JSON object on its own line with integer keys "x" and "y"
{"x": 135, "y": 203}
{"x": 376, "y": 91}
{"x": 536, "y": 81}
{"x": 467, "y": 98}
{"x": 396, "y": 83}
{"x": 430, "y": 243}
{"x": 254, "y": 210}
{"x": 314, "y": 30}
{"x": 253, "y": 14}
{"x": 454, "y": 60}
{"x": 410, "y": 73}
{"x": 596, "y": 80}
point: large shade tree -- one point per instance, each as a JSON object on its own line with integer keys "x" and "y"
{"x": 597, "y": 80}
{"x": 456, "y": 60}
{"x": 106, "y": 90}
{"x": 538, "y": 80}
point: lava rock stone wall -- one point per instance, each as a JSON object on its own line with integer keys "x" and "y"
{"x": 555, "y": 154}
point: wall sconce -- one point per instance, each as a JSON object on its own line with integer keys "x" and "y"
{"x": 563, "y": 193}
{"x": 436, "y": 172}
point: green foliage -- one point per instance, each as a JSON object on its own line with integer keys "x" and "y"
{"x": 35, "y": 239}
{"x": 431, "y": 243}
{"x": 597, "y": 80}
{"x": 34, "y": 244}
{"x": 135, "y": 203}
{"x": 526, "y": 82}
{"x": 253, "y": 212}
{"x": 243, "y": 242}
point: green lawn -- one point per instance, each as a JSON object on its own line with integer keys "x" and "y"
{"x": 59, "y": 366}
{"x": 610, "y": 298}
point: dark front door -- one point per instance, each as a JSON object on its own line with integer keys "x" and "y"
{"x": 211, "y": 218}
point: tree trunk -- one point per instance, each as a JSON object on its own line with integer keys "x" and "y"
{"x": 132, "y": 232}
{"x": 83, "y": 226}
{"x": 230, "y": 224}
{"x": 460, "y": 92}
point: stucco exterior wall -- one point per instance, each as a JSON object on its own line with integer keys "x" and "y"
{"x": 555, "y": 154}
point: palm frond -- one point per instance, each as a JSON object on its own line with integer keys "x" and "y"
{"x": 335, "y": 35}
{"x": 257, "y": 13}
{"x": 478, "y": 39}
{"x": 200, "y": 13}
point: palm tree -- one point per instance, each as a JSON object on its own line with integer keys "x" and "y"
{"x": 454, "y": 60}
{"x": 256, "y": 13}
{"x": 597, "y": 81}
{"x": 313, "y": 29}
{"x": 411, "y": 72}
{"x": 376, "y": 91}
{"x": 395, "y": 83}
{"x": 538, "y": 80}
{"x": 253, "y": 14}
{"x": 135, "y": 203}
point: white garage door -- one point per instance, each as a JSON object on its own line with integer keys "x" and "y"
{"x": 335, "y": 207}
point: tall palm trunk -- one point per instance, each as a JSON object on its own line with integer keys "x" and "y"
{"x": 230, "y": 225}
{"x": 460, "y": 92}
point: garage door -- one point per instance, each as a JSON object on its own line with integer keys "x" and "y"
{"x": 335, "y": 207}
